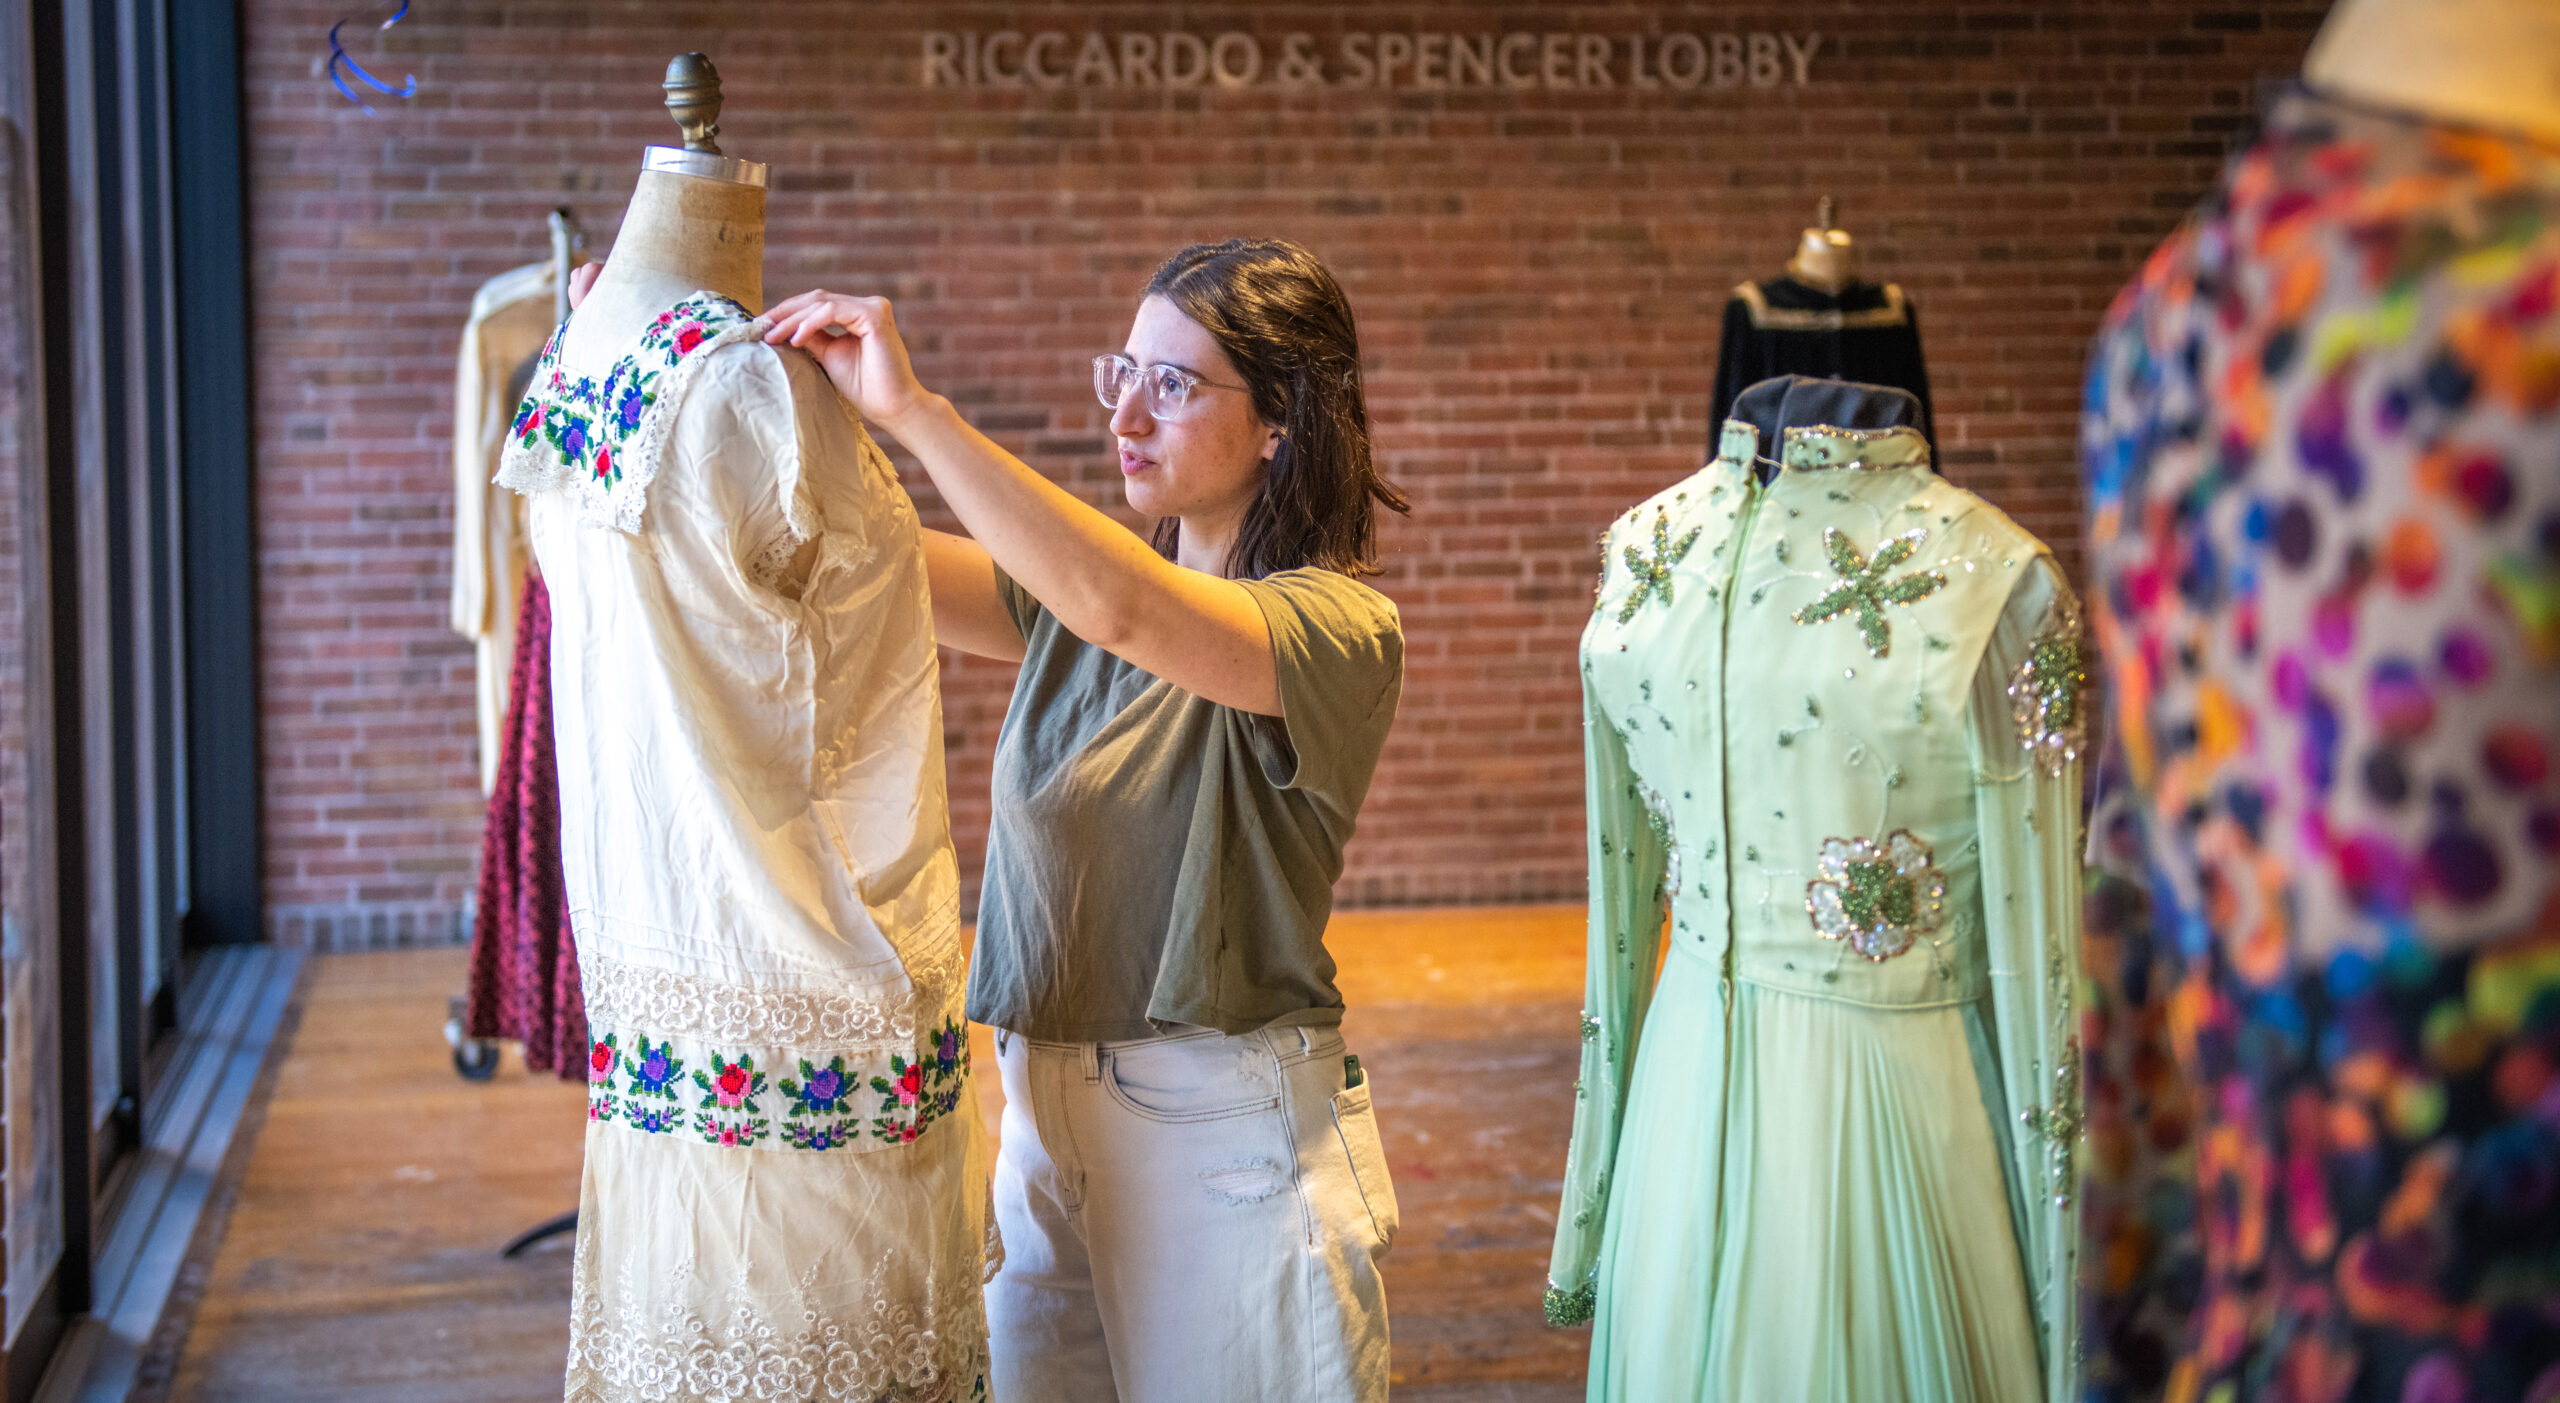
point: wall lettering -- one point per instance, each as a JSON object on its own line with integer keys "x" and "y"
{"x": 1386, "y": 59}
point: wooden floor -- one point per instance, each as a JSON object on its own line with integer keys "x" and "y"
{"x": 360, "y": 1262}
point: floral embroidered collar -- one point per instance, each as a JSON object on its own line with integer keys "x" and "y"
{"x": 602, "y": 440}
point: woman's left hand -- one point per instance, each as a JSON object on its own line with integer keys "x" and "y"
{"x": 856, "y": 340}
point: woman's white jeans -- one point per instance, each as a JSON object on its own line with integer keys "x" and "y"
{"x": 1194, "y": 1218}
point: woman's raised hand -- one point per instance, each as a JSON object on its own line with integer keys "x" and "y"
{"x": 856, "y": 340}
{"x": 582, "y": 279}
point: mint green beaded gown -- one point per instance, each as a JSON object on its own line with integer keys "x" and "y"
{"x": 1828, "y": 1152}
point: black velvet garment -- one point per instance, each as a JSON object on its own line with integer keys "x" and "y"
{"x": 1869, "y": 333}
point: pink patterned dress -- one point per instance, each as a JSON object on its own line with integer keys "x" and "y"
{"x": 524, "y": 964}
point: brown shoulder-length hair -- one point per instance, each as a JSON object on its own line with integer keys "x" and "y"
{"x": 1282, "y": 319}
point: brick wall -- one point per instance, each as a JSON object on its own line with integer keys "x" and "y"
{"x": 1538, "y": 273}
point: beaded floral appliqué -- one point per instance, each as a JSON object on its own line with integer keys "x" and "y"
{"x": 1863, "y": 588}
{"x": 1653, "y": 575}
{"x": 2045, "y": 694}
{"x": 1879, "y": 897}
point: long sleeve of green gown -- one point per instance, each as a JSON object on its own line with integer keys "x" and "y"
{"x": 2026, "y": 727}
{"x": 1629, "y": 853}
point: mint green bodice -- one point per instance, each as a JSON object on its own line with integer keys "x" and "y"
{"x": 1788, "y": 667}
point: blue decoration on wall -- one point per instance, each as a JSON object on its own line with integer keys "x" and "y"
{"x": 338, "y": 55}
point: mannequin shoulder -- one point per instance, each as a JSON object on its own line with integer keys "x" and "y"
{"x": 746, "y": 380}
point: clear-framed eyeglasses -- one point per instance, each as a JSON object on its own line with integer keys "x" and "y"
{"x": 1167, "y": 387}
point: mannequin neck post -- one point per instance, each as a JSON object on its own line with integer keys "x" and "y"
{"x": 681, "y": 235}
{"x": 1824, "y": 259}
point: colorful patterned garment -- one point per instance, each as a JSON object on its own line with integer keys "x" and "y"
{"x": 2323, "y": 448}
{"x": 785, "y": 1192}
{"x": 524, "y": 962}
{"x": 2138, "y": 1217}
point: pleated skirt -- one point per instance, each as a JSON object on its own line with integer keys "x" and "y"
{"x": 1809, "y": 1206}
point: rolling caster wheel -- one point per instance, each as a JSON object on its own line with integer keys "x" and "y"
{"x": 475, "y": 1060}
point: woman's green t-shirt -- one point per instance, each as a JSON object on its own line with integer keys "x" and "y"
{"x": 1156, "y": 858}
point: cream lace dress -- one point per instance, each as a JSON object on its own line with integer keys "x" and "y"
{"x": 785, "y": 1189}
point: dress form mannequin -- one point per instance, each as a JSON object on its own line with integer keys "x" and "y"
{"x": 744, "y": 680}
{"x": 2492, "y": 63}
{"x": 695, "y": 224}
{"x": 1821, "y": 319}
{"x": 1824, "y": 257}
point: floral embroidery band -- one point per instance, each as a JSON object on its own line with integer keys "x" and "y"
{"x": 1879, "y": 897}
{"x": 734, "y": 1098}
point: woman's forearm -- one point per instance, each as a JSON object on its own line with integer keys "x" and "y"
{"x": 1201, "y": 633}
{"x": 1084, "y": 567}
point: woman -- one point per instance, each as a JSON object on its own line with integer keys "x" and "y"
{"x": 1190, "y": 1186}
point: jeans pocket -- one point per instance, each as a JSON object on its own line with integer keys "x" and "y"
{"x": 1180, "y": 1080}
{"x": 1355, "y": 1120}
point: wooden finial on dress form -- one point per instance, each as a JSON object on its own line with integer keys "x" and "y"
{"x": 693, "y": 99}
{"x": 1824, "y": 218}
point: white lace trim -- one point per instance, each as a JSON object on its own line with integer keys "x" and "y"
{"x": 529, "y": 467}
{"x": 621, "y": 994}
{"x": 770, "y": 567}
{"x": 652, "y": 1343}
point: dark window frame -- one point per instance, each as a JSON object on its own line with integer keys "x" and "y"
{"x": 138, "y": 542}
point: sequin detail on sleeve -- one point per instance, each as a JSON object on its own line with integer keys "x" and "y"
{"x": 1657, "y": 816}
{"x": 2057, "y": 1123}
{"x": 1573, "y": 1307}
{"x": 2046, "y": 692}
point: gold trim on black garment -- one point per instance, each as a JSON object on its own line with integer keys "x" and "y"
{"x": 1894, "y": 312}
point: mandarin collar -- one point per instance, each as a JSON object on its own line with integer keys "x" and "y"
{"x": 1827, "y": 452}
